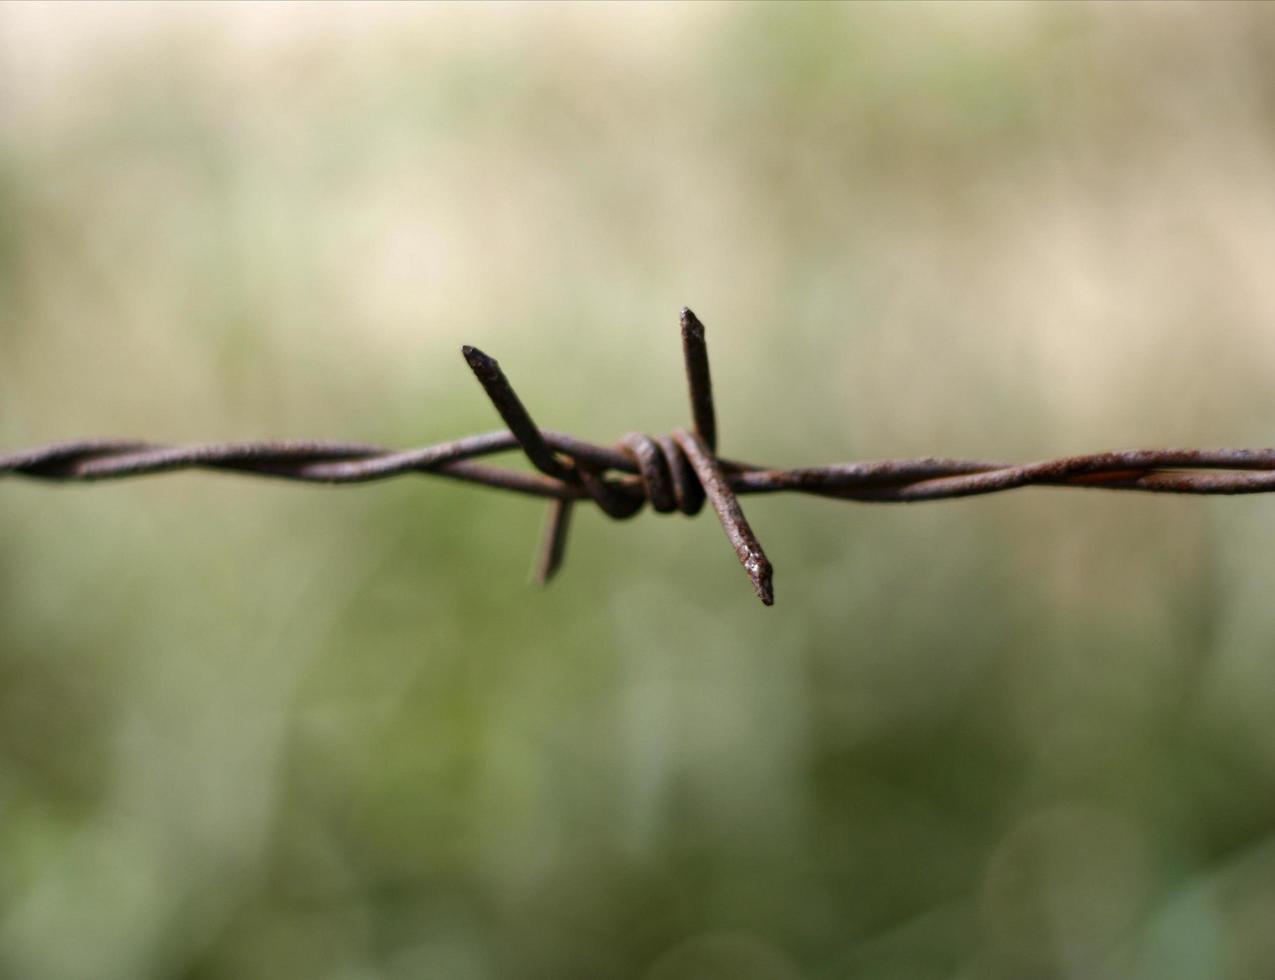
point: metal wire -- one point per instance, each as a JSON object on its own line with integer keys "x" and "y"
{"x": 671, "y": 473}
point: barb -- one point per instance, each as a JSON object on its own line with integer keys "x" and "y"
{"x": 695, "y": 352}
{"x": 747, "y": 548}
{"x": 672, "y": 473}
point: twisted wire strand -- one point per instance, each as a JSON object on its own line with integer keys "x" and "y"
{"x": 1182, "y": 471}
{"x": 674, "y": 473}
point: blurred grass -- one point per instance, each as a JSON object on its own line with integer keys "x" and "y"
{"x": 250, "y": 730}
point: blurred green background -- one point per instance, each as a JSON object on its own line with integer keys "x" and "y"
{"x": 251, "y": 729}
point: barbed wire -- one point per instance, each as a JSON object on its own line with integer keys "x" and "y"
{"x": 676, "y": 472}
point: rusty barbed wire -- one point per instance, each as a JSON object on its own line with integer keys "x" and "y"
{"x": 677, "y": 472}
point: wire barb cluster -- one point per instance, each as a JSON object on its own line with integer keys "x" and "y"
{"x": 677, "y": 472}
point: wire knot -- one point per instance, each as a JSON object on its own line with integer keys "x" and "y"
{"x": 667, "y": 477}
{"x": 676, "y": 472}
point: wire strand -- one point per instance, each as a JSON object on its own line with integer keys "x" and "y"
{"x": 670, "y": 472}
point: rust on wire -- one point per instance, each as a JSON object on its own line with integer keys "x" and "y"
{"x": 672, "y": 473}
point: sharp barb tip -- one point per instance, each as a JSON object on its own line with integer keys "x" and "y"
{"x": 476, "y": 358}
{"x": 763, "y": 584}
